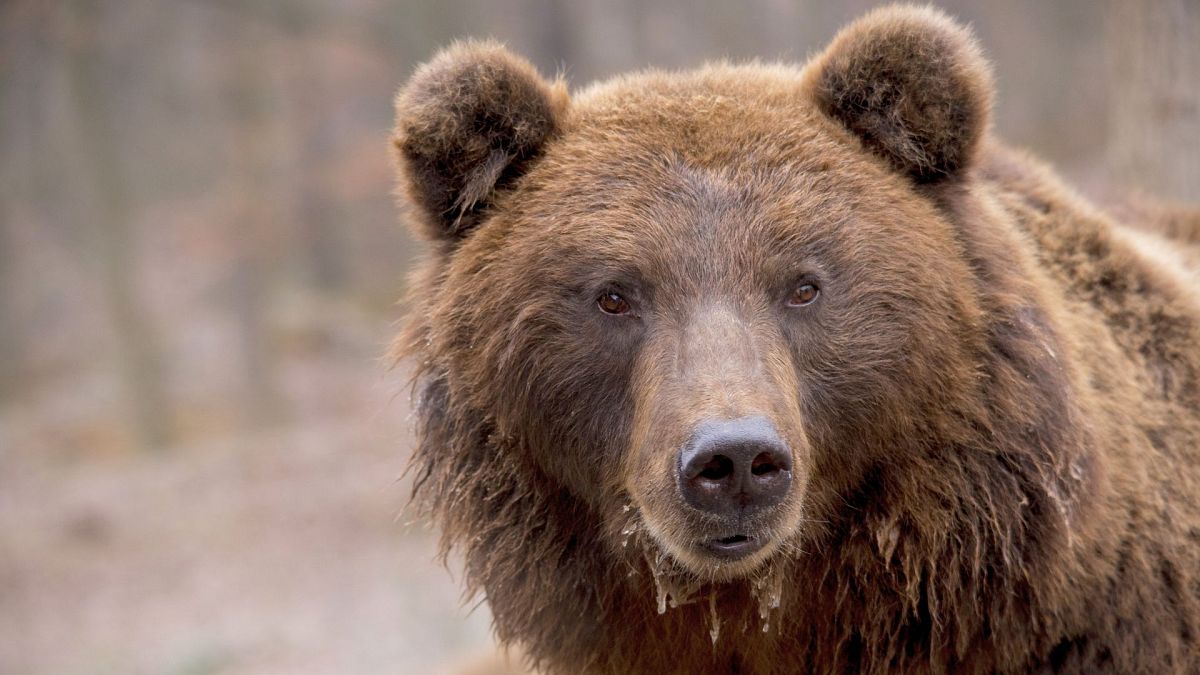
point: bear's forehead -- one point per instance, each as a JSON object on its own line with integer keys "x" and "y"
{"x": 661, "y": 148}
{"x": 670, "y": 218}
{"x": 720, "y": 170}
{"x": 718, "y": 116}
{"x": 743, "y": 129}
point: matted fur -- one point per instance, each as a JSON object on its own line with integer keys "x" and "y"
{"x": 995, "y": 409}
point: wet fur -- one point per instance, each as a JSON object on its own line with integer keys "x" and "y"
{"x": 1009, "y": 484}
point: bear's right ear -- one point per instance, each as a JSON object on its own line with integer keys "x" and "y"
{"x": 467, "y": 123}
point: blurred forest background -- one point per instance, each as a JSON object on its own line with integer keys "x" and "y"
{"x": 200, "y": 259}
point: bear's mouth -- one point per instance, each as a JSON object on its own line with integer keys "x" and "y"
{"x": 733, "y": 547}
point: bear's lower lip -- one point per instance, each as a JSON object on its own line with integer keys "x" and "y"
{"x": 734, "y": 547}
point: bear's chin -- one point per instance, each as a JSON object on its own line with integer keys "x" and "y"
{"x": 718, "y": 569}
{"x": 710, "y": 558}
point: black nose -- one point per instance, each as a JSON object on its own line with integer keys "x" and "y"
{"x": 735, "y": 466}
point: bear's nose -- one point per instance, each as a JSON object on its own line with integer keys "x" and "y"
{"x": 735, "y": 466}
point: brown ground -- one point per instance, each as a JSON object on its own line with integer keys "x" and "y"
{"x": 277, "y": 552}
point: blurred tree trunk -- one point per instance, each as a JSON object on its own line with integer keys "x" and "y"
{"x": 256, "y": 224}
{"x": 10, "y": 337}
{"x": 313, "y": 132}
{"x": 1154, "y": 65}
{"x": 110, "y": 243}
{"x": 321, "y": 228}
{"x": 14, "y": 48}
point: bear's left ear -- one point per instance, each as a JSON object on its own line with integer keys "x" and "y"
{"x": 467, "y": 123}
{"x": 912, "y": 84}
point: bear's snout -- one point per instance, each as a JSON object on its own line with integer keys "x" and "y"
{"x": 734, "y": 468}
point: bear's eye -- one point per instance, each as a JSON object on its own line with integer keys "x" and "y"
{"x": 803, "y": 295}
{"x": 612, "y": 303}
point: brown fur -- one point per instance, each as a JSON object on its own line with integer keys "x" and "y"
{"x": 473, "y": 116}
{"x": 915, "y": 87}
{"x": 994, "y": 406}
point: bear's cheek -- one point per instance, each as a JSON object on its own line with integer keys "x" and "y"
{"x": 580, "y": 409}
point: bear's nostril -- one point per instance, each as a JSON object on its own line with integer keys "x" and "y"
{"x": 717, "y": 468}
{"x": 764, "y": 464}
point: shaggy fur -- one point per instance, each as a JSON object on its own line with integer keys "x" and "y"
{"x": 993, "y": 405}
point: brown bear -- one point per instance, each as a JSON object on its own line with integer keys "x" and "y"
{"x": 765, "y": 369}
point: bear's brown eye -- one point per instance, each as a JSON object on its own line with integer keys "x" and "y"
{"x": 611, "y": 303}
{"x": 803, "y": 295}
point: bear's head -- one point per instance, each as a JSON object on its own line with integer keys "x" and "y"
{"x": 700, "y": 311}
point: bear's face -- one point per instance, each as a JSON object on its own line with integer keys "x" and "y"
{"x": 700, "y": 305}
